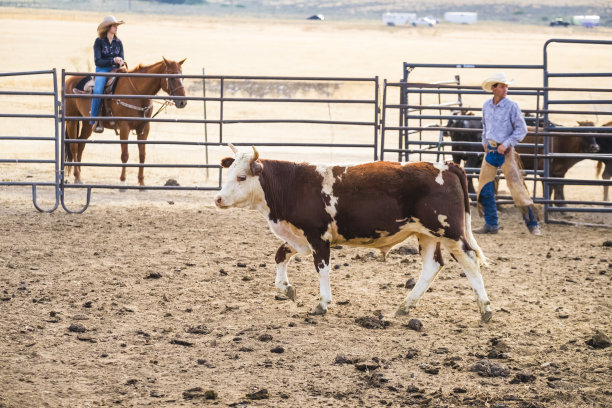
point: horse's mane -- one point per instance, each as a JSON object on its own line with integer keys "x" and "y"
{"x": 144, "y": 68}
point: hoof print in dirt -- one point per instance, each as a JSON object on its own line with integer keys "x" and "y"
{"x": 486, "y": 368}
{"x": 369, "y": 322}
{"x": 429, "y": 369}
{"x": 198, "y": 392}
{"x": 278, "y": 350}
{"x": 181, "y": 342}
{"x": 258, "y": 395}
{"x": 89, "y": 339}
{"x": 77, "y": 328}
{"x": 153, "y": 275}
{"x": 199, "y": 329}
{"x": 523, "y": 378}
{"x": 412, "y": 353}
{"x": 410, "y": 283}
{"x": 367, "y": 365}
{"x": 342, "y": 359}
{"x": 265, "y": 337}
{"x": 599, "y": 341}
{"x": 414, "y": 324}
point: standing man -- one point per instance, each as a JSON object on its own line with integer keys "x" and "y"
{"x": 503, "y": 126}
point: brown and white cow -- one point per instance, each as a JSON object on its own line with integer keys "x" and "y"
{"x": 377, "y": 205}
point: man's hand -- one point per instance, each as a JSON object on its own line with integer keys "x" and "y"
{"x": 118, "y": 60}
{"x": 501, "y": 149}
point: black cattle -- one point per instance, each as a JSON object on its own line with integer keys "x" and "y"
{"x": 471, "y": 154}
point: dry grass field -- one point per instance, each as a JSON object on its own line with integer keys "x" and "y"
{"x": 154, "y": 298}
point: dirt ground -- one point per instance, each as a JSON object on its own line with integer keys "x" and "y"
{"x": 156, "y": 298}
{"x": 147, "y": 296}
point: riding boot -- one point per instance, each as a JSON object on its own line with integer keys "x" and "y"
{"x": 97, "y": 127}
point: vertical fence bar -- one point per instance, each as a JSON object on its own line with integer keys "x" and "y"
{"x": 205, "y": 124}
{"x": 382, "y": 121}
{"x": 376, "y": 122}
{"x": 221, "y": 111}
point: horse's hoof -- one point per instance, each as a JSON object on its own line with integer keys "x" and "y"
{"x": 290, "y": 292}
{"x": 78, "y": 182}
{"x": 487, "y": 316}
{"x": 319, "y": 310}
{"x": 402, "y": 311}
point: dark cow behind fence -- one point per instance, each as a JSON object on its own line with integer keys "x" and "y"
{"x": 376, "y": 205}
{"x": 605, "y": 147}
{"x": 475, "y": 153}
{"x": 559, "y": 166}
{"x": 560, "y": 144}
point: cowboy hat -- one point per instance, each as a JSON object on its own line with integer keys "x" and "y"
{"x": 108, "y": 21}
{"x": 499, "y": 78}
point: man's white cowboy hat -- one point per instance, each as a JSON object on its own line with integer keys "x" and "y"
{"x": 499, "y": 78}
{"x": 108, "y": 21}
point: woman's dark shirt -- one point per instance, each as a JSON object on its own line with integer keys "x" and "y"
{"x": 105, "y": 52}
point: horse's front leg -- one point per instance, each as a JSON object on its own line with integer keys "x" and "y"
{"x": 143, "y": 133}
{"x": 124, "y": 133}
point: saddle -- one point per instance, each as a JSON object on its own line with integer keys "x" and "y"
{"x": 86, "y": 85}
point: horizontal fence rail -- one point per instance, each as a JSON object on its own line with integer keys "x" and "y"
{"x": 422, "y": 116}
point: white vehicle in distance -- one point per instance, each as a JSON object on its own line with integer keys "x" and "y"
{"x": 425, "y": 21}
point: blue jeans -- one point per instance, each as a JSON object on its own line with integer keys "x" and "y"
{"x": 99, "y": 83}
{"x": 487, "y": 194}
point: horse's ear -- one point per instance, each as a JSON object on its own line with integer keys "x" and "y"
{"x": 181, "y": 62}
{"x": 225, "y": 163}
{"x": 165, "y": 60}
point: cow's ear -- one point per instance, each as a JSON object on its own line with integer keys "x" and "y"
{"x": 256, "y": 167}
{"x": 225, "y": 163}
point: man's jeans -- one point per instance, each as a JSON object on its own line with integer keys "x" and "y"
{"x": 487, "y": 194}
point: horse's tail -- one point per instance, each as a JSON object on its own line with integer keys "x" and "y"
{"x": 598, "y": 169}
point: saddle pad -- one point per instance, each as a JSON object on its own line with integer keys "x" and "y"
{"x": 86, "y": 85}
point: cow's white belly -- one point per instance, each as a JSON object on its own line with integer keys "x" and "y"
{"x": 385, "y": 240}
{"x": 290, "y": 234}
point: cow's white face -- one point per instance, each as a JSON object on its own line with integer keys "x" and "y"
{"x": 242, "y": 188}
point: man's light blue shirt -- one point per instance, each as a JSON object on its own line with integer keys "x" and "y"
{"x": 503, "y": 122}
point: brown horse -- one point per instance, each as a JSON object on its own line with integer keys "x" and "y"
{"x": 124, "y": 107}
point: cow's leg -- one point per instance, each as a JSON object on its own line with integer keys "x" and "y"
{"x": 432, "y": 263}
{"x": 471, "y": 267}
{"x": 321, "y": 253}
{"x": 283, "y": 256}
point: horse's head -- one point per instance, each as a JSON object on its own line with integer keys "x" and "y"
{"x": 174, "y": 86}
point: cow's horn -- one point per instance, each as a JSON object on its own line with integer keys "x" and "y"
{"x": 256, "y": 153}
{"x": 231, "y": 146}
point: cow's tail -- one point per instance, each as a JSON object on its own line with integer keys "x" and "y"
{"x": 469, "y": 236}
{"x": 598, "y": 169}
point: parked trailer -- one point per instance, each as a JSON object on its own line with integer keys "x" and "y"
{"x": 587, "y": 21}
{"x": 461, "y": 17}
{"x": 398, "y": 18}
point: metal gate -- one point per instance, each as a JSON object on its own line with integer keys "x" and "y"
{"x": 412, "y": 112}
{"x": 221, "y": 103}
{"x": 52, "y": 136}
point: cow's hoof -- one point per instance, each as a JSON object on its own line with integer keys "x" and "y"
{"x": 290, "y": 292}
{"x": 402, "y": 311}
{"x": 319, "y": 310}
{"x": 487, "y": 316}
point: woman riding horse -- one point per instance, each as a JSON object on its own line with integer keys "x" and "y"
{"x": 108, "y": 55}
